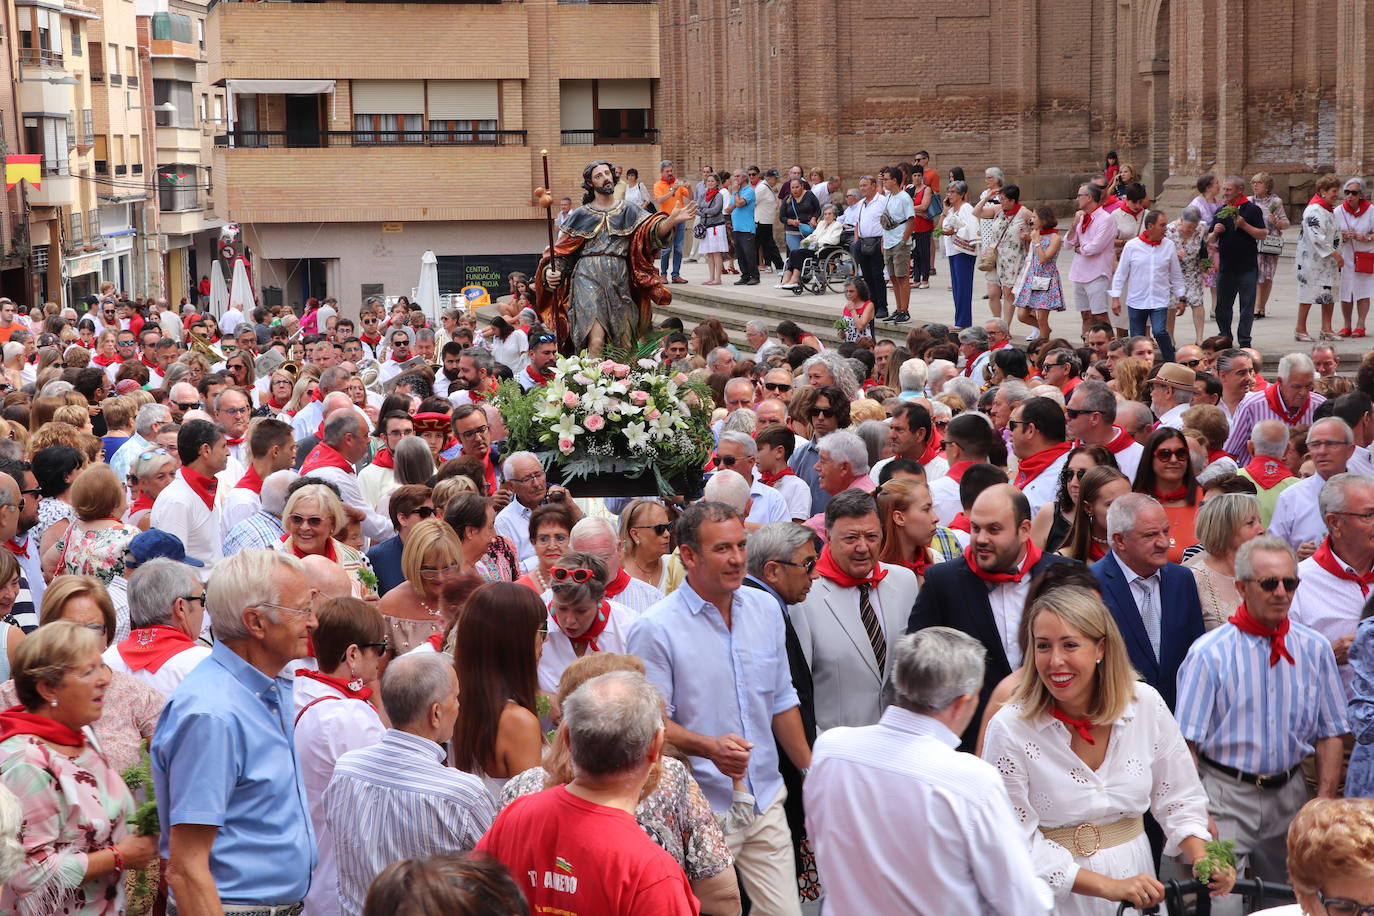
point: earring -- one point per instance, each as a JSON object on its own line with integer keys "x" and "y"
{"x": 54, "y": 703}
{"x": 356, "y": 683}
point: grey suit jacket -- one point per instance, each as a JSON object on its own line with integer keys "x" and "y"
{"x": 848, "y": 683}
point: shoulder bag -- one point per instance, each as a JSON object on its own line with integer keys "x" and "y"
{"x": 987, "y": 258}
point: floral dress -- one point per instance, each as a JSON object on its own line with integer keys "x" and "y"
{"x": 1188, "y": 260}
{"x": 128, "y": 716}
{"x": 850, "y": 319}
{"x": 675, "y": 815}
{"x": 500, "y": 563}
{"x": 98, "y": 553}
{"x": 51, "y": 510}
{"x": 1052, "y": 297}
{"x": 1011, "y": 251}
{"x": 1208, "y": 210}
{"x": 1275, "y": 220}
{"x": 1318, "y": 275}
{"x": 73, "y": 806}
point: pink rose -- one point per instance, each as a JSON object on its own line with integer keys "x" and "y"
{"x": 595, "y": 422}
{"x": 620, "y": 370}
{"x": 639, "y": 398}
{"x": 680, "y": 378}
{"x": 566, "y": 446}
{"x": 571, "y": 400}
{"x": 581, "y": 379}
{"x": 607, "y": 365}
{"x": 653, "y": 415}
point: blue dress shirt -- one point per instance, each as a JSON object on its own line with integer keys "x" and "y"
{"x": 223, "y": 756}
{"x": 717, "y": 681}
{"x": 386, "y": 563}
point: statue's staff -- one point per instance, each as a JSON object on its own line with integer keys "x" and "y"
{"x": 543, "y": 197}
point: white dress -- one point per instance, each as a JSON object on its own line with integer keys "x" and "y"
{"x": 1354, "y": 285}
{"x": 1147, "y": 766}
{"x": 1318, "y": 276}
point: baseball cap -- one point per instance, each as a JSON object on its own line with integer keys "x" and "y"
{"x": 152, "y": 544}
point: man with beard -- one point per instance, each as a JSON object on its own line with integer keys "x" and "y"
{"x": 476, "y": 377}
{"x": 543, "y": 354}
{"x": 605, "y": 249}
{"x": 449, "y": 380}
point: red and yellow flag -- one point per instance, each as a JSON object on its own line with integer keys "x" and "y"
{"x": 24, "y": 168}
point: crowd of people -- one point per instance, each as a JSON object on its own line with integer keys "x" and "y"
{"x": 378, "y": 663}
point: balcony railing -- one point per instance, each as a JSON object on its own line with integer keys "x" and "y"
{"x": 40, "y": 56}
{"x": 597, "y": 137}
{"x": 97, "y": 76}
{"x": 315, "y": 139}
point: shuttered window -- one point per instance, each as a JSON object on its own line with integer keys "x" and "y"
{"x": 463, "y": 100}
{"x": 388, "y": 97}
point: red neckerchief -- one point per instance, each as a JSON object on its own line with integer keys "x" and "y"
{"x": 1049, "y": 231}
{"x": 1032, "y": 467}
{"x": 153, "y": 366}
{"x": 1134, "y": 212}
{"x": 317, "y": 394}
{"x": 618, "y": 584}
{"x": 960, "y": 523}
{"x": 957, "y": 469}
{"x": 1242, "y": 621}
{"x": 1011, "y": 214}
{"x": 1000, "y": 345}
{"x": 18, "y": 721}
{"x": 1356, "y": 211}
{"x": 1180, "y": 493}
{"x": 538, "y": 378}
{"x": 250, "y": 481}
{"x": 101, "y": 359}
{"x": 337, "y": 683}
{"x": 396, "y": 359}
{"x": 319, "y": 431}
{"x": 968, "y": 368}
{"x": 1289, "y": 417}
{"x": 588, "y": 639}
{"x": 371, "y": 341}
{"x": 711, "y": 194}
{"x": 1326, "y": 558}
{"x": 275, "y": 404}
{"x": 232, "y": 441}
{"x": 921, "y": 563}
{"x": 770, "y": 480}
{"x": 1217, "y": 454}
{"x": 384, "y": 458}
{"x": 322, "y": 456}
{"x": 488, "y": 470}
{"x": 86, "y": 344}
{"x": 331, "y": 555}
{"x": 437, "y": 641}
{"x": 827, "y": 567}
{"x": 1110, "y": 199}
{"x": 1267, "y": 472}
{"x": 1144, "y": 238}
{"x": 1317, "y": 199}
{"x": 1087, "y": 221}
{"x": 143, "y": 502}
{"x": 14, "y": 547}
{"x": 1083, "y": 726}
{"x": 1120, "y": 442}
{"x": 149, "y": 648}
{"x": 1032, "y": 557}
{"x": 203, "y": 486}
{"x": 933, "y": 446}
{"x": 480, "y": 394}
{"x": 1095, "y": 550}
{"x": 1240, "y": 203}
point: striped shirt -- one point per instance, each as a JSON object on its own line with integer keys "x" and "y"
{"x": 1253, "y": 408}
{"x": 259, "y": 530}
{"x": 397, "y": 800}
{"x": 1259, "y": 718}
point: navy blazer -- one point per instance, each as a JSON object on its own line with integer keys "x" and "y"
{"x": 1180, "y": 622}
{"x": 953, "y": 596}
{"x": 386, "y": 563}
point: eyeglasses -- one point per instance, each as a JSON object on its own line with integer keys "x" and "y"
{"x": 293, "y": 611}
{"x": 660, "y": 529}
{"x": 809, "y": 565}
{"x": 561, "y": 574}
{"x": 1326, "y": 443}
{"x": 1046, "y": 367}
{"x": 1077, "y": 473}
{"x": 1340, "y": 906}
{"x": 776, "y": 386}
{"x": 1365, "y": 517}
{"x": 1171, "y": 454}
{"x": 546, "y": 539}
{"x": 200, "y": 597}
{"x": 1012, "y": 424}
{"x": 1269, "y": 583}
{"x": 474, "y": 433}
{"x": 535, "y": 475}
{"x": 381, "y": 647}
{"x": 432, "y": 573}
{"x": 827, "y": 412}
{"x": 234, "y": 411}
{"x": 729, "y": 460}
{"x": 314, "y": 521}
{"x": 422, "y": 511}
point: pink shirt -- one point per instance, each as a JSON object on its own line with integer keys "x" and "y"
{"x": 817, "y": 522}
{"x": 1095, "y": 248}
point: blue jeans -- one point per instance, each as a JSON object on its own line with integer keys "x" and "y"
{"x": 675, "y": 249}
{"x": 961, "y": 278}
{"x": 793, "y": 240}
{"x": 1158, "y": 320}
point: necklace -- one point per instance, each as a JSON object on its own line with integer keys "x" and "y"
{"x": 540, "y": 579}
{"x": 428, "y": 610}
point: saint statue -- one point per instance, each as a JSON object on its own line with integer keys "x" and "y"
{"x": 606, "y": 256}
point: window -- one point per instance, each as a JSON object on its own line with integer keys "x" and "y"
{"x": 77, "y": 43}
{"x": 48, "y": 137}
{"x": 131, "y": 74}
{"x": 117, "y": 152}
{"x": 481, "y": 131}
{"x": 97, "y": 62}
{"x": 93, "y": 226}
{"x": 388, "y": 111}
{"x": 87, "y": 127}
{"x": 388, "y": 128}
{"x": 76, "y": 231}
{"x": 464, "y": 111}
{"x": 606, "y": 111}
{"x": 200, "y": 33}
{"x": 204, "y": 107}
{"x": 112, "y": 58}
{"x": 102, "y": 155}
{"x": 181, "y": 95}
{"x": 71, "y": 130}
{"x": 176, "y": 188}
{"x": 40, "y": 35}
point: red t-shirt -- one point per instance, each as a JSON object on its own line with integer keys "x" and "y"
{"x": 575, "y": 857}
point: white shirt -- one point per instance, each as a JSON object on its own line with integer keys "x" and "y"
{"x": 323, "y": 734}
{"x": 376, "y": 526}
{"x": 1150, "y": 274}
{"x": 169, "y": 674}
{"x": 1173, "y": 418}
{"x": 1128, "y": 459}
{"x": 767, "y": 505}
{"x": 1360, "y": 462}
{"x": 558, "y": 649}
{"x": 1297, "y": 517}
{"x": 170, "y": 324}
{"x": 944, "y": 496}
{"x": 935, "y": 469}
{"x": 868, "y": 214}
{"x": 1329, "y": 605}
{"x": 238, "y": 504}
{"x": 513, "y": 523}
{"x": 179, "y": 510}
{"x": 230, "y": 321}
{"x": 376, "y": 483}
{"x": 796, "y": 494}
{"x": 1044, "y": 488}
{"x": 871, "y": 789}
{"x": 514, "y": 351}
{"x": 1008, "y": 601}
{"x": 307, "y": 420}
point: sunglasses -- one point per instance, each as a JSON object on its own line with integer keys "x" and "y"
{"x": 422, "y": 511}
{"x": 194, "y": 405}
{"x": 729, "y": 460}
{"x": 581, "y": 574}
{"x": 942, "y": 425}
{"x": 660, "y": 529}
{"x": 1269, "y": 583}
{"x": 200, "y": 597}
{"x": 776, "y": 386}
{"x": 144, "y": 457}
{"x": 1171, "y": 454}
{"x": 1352, "y": 192}
{"x": 809, "y": 565}
{"x": 826, "y": 412}
{"x": 314, "y": 521}
{"x": 381, "y": 647}
{"x": 1077, "y": 473}
{"x": 543, "y": 339}
{"x": 1012, "y": 424}
{"x": 1192, "y": 363}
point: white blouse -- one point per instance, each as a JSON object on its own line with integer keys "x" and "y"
{"x": 1147, "y": 767}
{"x": 558, "y": 649}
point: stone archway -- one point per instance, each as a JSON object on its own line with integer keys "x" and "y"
{"x": 1154, "y": 66}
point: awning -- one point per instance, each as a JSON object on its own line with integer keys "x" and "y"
{"x": 275, "y": 87}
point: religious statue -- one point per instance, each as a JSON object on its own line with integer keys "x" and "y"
{"x": 606, "y": 252}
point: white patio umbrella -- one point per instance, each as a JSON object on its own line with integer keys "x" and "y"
{"x": 427, "y": 291}
{"x": 240, "y": 290}
{"x": 219, "y": 295}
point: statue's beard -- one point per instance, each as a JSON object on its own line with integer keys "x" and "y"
{"x": 608, "y": 188}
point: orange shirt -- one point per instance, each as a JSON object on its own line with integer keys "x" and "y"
{"x": 5, "y": 332}
{"x": 932, "y": 179}
{"x": 681, "y": 194}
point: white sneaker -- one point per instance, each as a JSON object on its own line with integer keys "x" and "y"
{"x": 1034, "y": 334}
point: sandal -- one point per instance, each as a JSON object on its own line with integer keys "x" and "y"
{"x": 1304, "y": 337}
{"x": 1327, "y": 335}
{"x": 1259, "y": 315}
{"x": 1358, "y": 332}
{"x": 1345, "y": 332}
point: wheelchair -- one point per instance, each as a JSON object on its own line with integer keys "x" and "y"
{"x": 831, "y": 268}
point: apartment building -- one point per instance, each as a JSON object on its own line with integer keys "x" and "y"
{"x": 360, "y": 135}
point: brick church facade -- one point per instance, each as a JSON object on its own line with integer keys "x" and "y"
{"x": 1041, "y": 88}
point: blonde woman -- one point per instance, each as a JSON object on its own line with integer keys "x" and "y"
{"x": 646, "y": 540}
{"x": 314, "y": 520}
{"x": 1085, "y": 749}
{"x": 412, "y": 610}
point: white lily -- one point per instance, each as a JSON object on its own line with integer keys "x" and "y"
{"x": 636, "y": 436}
{"x": 567, "y": 428}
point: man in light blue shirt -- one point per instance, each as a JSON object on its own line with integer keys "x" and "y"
{"x": 230, "y": 796}
{"x": 901, "y": 217}
{"x": 740, "y": 206}
{"x": 719, "y": 658}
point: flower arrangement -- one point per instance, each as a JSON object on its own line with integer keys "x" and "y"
{"x": 601, "y": 415}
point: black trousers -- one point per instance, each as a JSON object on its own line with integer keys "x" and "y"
{"x": 871, "y": 267}
{"x": 1229, "y": 286}
{"x": 920, "y": 256}
{"x": 767, "y": 246}
{"x": 746, "y": 255}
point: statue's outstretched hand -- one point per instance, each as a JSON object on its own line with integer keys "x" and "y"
{"x": 684, "y": 213}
